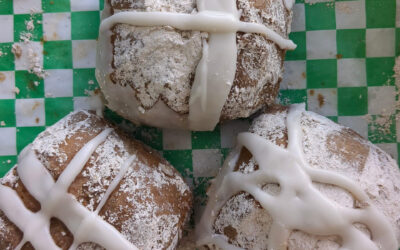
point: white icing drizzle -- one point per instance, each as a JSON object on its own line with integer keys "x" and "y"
{"x": 55, "y": 201}
{"x": 299, "y": 205}
{"x": 289, "y": 4}
{"x": 216, "y": 70}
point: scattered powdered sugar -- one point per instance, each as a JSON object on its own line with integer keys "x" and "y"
{"x": 57, "y": 134}
{"x": 34, "y": 61}
{"x": 237, "y": 219}
{"x": 104, "y": 165}
{"x": 159, "y": 228}
{"x": 157, "y": 62}
{"x": 10, "y": 178}
{"x": 183, "y": 6}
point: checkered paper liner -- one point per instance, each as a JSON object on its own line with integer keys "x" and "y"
{"x": 342, "y": 68}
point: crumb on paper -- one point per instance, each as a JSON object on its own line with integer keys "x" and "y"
{"x": 2, "y": 123}
{"x": 1, "y": 53}
{"x": 8, "y": 161}
{"x": 36, "y": 83}
{"x": 90, "y": 82}
{"x": 321, "y": 100}
{"x": 16, "y": 50}
{"x": 16, "y": 90}
{"x": 29, "y": 24}
{"x": 25, "y": 37}
{"x": 2, "y": 77}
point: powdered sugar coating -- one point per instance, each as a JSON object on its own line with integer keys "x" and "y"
{"x": 137, "y": 202}
{"x": 324, "y": 148}
{"x": 167, "y": 73}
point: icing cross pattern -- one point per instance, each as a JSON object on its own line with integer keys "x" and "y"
{"x": 216, "y": 70}
{"x": 299, "y": 205}
{"x": 55, "y": 201}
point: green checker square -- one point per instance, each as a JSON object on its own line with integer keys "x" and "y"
{"x": 20, "y": 26}
{"x": 29, "y": 85}
{"x": 397, "y": 42}
{"x": 81, "y": 28}
{"x": 380, "y": 13}
{"x": 26, "y": 135}
{"x": 206, "y": 139}
{"x": 150, "y": 136}
{"x": 290, "y": 96}
{"x": 300, "y": 53}
{"x": 112, "y": 116}
{"x": 57, "y": 108}
{"x": 333, "y": 118}
{"x": 6, "y": 7}
{"x": 398, "y": 155}
{"x": 382, "y": 129}
{"x": 6, "y": 163}
{"x": 201, "y": 185}
{"x": 56, "y": 5}
{"x": 7, "y": 112}
{"x": 351, "y": 43}
{"x": 321, "y": 73}
{"x": 57, "y": 55}
{"x": 84, "y": 81}
{"x": 7, "y": 58}
{"x": 320, "y": 16}
{"x": 352, "y": 101}
{"x": 181, "y": 160}
{"x": 225, "y": 152}
{"x": 380, "y": 71}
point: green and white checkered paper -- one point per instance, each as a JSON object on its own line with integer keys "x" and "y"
{"x": 342, "y": 69}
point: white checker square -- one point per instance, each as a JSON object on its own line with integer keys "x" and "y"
{"x": 299, "y": 18}
{"x": 84, "y": 53}
{"x": 390, "y": 148}
{"x": 7, "y": 85}
{"x": 84, "y": 5}
{"x": 7, "y": 28}
{"x": 356, "y": 123}
{"x": 30, "y": 51}
{"x": 350, "y": 15}
{"x": 294, "y": 75}
{"x": 230, "y": 130}
{"x": 88, "y": 103}
{"x": 380, "y": 42}
{"x": 8, "y": 145}
{"x": 322, "y": 101}
{"x": 56, "y": 26}
{"x": 321, "y": 44}
{"x": 206, "y": 162}
{"x": 176, "y": 139}
{"x": 59, "y": 83}
{"x": 29, "y": 112}
{"x": 398, "y": 127}
{"x": 397, "y": 13}
{"x": 381, "y": 100}
{"x": 27, "y": 7}
{"x": 351, "y": 72}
